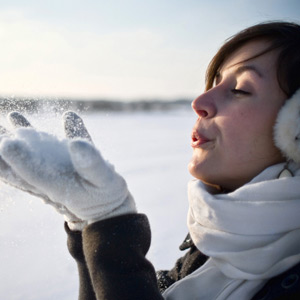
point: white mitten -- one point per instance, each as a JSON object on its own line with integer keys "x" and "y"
{"x": 8, "y": 175}
{"x": 69, "y": 173}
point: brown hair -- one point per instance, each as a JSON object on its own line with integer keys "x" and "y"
{"x": 283, "y": 36}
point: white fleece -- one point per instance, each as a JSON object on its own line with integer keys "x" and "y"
{"x": 287, "y": 128}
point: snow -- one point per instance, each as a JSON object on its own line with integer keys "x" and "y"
{"x": 17, "y": 152}
{"x": 151, "y": 150}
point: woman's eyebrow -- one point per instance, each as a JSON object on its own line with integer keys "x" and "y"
{"x": 245, "y": 68}
{"x": 239, "y": 70}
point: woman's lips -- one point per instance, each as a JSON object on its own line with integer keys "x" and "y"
{"x": 198, "y": 139}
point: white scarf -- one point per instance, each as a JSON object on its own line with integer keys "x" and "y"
{"x": 250, "y": 235}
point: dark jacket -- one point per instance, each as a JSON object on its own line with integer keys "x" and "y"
{"x": 110, "y": 256}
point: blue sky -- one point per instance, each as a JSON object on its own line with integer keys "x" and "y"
{"x": 120, "y": 49}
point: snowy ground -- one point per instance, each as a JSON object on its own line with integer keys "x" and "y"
{"x": 151, "y": 150}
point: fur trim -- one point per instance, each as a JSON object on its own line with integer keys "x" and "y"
{"x": 287, "y": 128}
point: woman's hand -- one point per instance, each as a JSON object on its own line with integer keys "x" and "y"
{"x": 70, "y": 174}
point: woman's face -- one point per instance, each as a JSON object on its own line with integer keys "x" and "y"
{"x": 232, "y": 139}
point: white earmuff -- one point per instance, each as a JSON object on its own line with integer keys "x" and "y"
{"x": 287, "y": 129}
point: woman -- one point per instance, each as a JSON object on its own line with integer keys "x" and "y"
{"x": 244, "y": 202}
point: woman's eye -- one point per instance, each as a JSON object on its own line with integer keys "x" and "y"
{"x": 239, "y": 92}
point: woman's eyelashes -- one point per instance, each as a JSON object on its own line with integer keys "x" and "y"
{"x": 239, "y": 92}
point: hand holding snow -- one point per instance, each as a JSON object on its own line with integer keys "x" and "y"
{"x": 70, "y": 174}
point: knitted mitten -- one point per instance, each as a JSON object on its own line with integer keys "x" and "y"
{"x": 69, "y": 174}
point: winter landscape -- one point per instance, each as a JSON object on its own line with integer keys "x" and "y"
{"x": 150, "y": 149}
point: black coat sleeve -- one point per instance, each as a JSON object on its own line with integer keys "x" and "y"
{"x": 114, "y": 251}
{"x": 124, "y": 257}
{"x": 86, "y": 290}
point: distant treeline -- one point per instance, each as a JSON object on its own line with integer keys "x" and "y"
{"x": 40, "y": 105}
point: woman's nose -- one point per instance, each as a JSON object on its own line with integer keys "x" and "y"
{"x": 204, "y": 105}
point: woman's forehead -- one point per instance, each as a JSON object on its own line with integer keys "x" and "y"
{"x": 248, "y": 57}
{"x": 245, "y": 52}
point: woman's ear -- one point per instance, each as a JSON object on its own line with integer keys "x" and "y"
{"x": 287, "y": 128}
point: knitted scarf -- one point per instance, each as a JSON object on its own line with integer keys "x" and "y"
{"x": 250, "y": 235}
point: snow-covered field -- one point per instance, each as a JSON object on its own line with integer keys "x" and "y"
{"x": 151, "y": 150}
